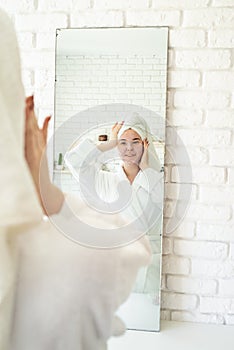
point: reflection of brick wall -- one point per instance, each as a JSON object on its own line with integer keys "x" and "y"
{"x": 87, "y": 81}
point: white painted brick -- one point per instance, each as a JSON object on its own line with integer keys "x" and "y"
{"x": 175, "y": 222}
{"x": 46, "y": 41}
{"x": 203, "y": 59}
{"x": 26, "y": 40}
{"x": 44, "y": 79}
{"x": 120, "y": 4}
{"x": 187, "y": 38}
{"x": 36, "y": 59}
{"x": 97, "y": 19}
{"x": 152, "y": 18}
{"x": 170, "y": 97}
{"x": 163, "y": 282}
{"x": 179, "y": 4}
{"x": 169, "y": 207}
{"x": 208, "y": 18}
{"x": 28, "y": 78}
{"x": 78, "y": 5}
{"x": 181, "y": 117}
{"x": 222, "y": 157}
{"x": 174, "y": 301}
{"x": 209, "y": 250}
{"x": 191, "y": 285}
{"x": 175, "y": 265}
{"x": 15, "y": 6}
{"x": 220, "y": 119}
{"x": 182, "y": 316}
{"x": 221, "y": 38}
{"x": 212, "y": 232}
{"x": 184, "y": 229}
{"x": 232, "y": 251}
{"x": 195, "y": 316}
{"x": 222, "y": 3}
{"x": 165, "y": 315}
{"x": 213, "y": 305}
{"x": 221, "y": 194}
{"x": 55, "y": 5}
{"x": 226, "y": 287}
{"x": 167, "y": 174}
{"x": 167, "y": 246}
{"x": 231, "y": 176}
{"x": 229, "y": 319}
{"x": 201, "y": 99}
{"x": 204, "y": 137}
{"x": 28, "y": 81}
{"x": 179, "y": 191}
{"x": 40, "y": 22}
{"x": 170, "y": 135}
{"x": 180, "y": 79}
{"x": 171, "y": 58}
{"x": 219, "y": 80}
{"x": 201, "y": 175}
{"x": 198, "y": 156}
{"x": 224, "y": 269}
{"x": 205, "y": 212}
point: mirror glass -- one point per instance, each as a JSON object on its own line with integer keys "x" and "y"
{"x": 110, "y": 96}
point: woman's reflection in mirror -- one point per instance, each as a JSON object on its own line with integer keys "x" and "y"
{"x": 134, "y": 188}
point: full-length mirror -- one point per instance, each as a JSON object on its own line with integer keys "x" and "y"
{"x": 110, "y": 95}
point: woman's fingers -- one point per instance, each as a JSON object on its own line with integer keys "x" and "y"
{"x": 118, "y": 125}
{"x": 45, "y": 127}
{"x": 31, "y": 120}
{"x": 32, "y": 130}
{"x": 121, "y": 124}
{"x": 30, "y": 102}
{"x": 35, "y": 138}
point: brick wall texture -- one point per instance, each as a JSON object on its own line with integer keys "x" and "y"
{"x": 198, "y": 252}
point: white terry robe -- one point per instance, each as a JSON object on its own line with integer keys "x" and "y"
{"x": 109, "y": 191}
{"x": 65, "y": 295}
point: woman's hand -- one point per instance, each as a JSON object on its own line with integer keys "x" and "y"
{"x": 106, "y": 146}
{"x": 115, "y": 130}
{"x": 50, "y": 197}
{"x": 144, "y": 163}
{"x": 35, "y": 140}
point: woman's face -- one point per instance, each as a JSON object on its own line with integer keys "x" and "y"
{"x": 130, "y": 147}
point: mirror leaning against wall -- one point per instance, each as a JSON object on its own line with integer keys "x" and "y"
{"x": 109, "y": 138}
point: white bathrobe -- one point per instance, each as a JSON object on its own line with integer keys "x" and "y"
{"x": 140, "y": 203}
{"x": 62, "y": 295}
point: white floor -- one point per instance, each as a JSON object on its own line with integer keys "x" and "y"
{"x": 177, "y": 336}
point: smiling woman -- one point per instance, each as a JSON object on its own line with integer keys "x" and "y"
{"x": 134, "y": 189}
{"x": 130, "y": 147}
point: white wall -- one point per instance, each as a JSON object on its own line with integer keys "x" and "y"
{"x": 116, "y": 80}
{"x": 198, "y": 261}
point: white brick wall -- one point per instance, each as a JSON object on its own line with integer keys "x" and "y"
{"x": 198, "y": 261}
{"x": 87, "y": 81}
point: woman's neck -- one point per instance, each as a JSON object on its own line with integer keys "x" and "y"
{"x": 131, "y": 170}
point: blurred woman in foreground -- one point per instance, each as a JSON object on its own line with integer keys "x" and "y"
{"x": 55, "y": 293}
